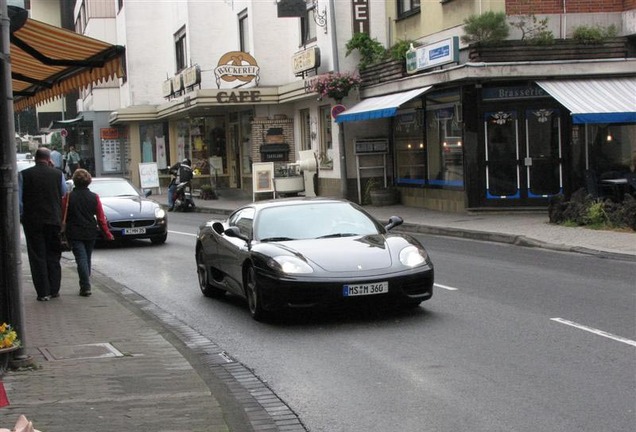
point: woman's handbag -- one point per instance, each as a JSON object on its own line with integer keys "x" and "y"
{"x": 65, "y": 245}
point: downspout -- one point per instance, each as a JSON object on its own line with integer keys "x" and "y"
{"x": 336, "y": 68}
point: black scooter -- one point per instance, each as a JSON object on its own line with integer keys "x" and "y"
{"x": 183, "y": 200}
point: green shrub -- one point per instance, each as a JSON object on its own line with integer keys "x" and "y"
{"x": 583, "y": 210}
{"x": 488, "y": 27}
{"x": 596, "y": 34}
{"x": 533, "y": 29}
{"x": 371, "y": 51}
{"x": 399, "y": 49}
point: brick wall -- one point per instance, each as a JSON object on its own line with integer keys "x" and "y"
{"x": 260, "y": 126}
{"x": 540, "y": 7}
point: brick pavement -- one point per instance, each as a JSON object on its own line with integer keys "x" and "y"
{"x": 115, "y": 361}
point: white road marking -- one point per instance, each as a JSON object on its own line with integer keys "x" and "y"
{"x": 595, "y": 331}
{"x": 182, "y": 233}
{"x": 445, "y": 287}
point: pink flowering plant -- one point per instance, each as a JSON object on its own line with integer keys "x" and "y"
{"x": 335, "y": 85}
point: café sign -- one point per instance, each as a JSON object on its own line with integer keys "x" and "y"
{"x": 433, "y": 55}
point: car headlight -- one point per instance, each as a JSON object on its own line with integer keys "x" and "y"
{"x": 160, "y": 213}
{"x": 289, "y": 264}
{"x": 412, "y": 256}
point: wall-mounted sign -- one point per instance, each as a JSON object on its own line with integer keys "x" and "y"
{"x": 306, "y": 60}
{"x": 177, "y": 83}
{"x": 360, "y": 16}
{"x": 292, "y": 8}
{"x": 191, "y": 76}
{"x": 233, "y": 97}
{"x": 337, "y": 109}
{"x": 166, "y": 88}
{"x": 513, "y": 93}
{"x": 109, "y": 133}
{"x": 237, "y": 69}
{"x": 436, "y": 54}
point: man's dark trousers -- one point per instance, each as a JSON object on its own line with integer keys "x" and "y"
{"x": 46, "y": 270}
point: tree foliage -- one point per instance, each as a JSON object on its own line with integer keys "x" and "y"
{"x": 487, "y": 28}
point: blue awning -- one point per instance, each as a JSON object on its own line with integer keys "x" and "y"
{"x": 610, "y": 100}
{"x": 379, "y": 107}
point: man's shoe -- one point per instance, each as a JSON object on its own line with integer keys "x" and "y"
{"x": 44, "y": 298}
{"x": 85, "y": 293}
{"x": 170, "y": 209}
{"x": 56, "y": 295}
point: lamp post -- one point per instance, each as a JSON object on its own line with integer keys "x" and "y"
{"x": 12, "y": 16}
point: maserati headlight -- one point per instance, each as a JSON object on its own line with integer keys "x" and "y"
{"x": 412, "y": 256}
{"x": 289, "y": 264}
{"x": 160, "y": 213}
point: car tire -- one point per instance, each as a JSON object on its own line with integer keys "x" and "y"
{"x": 203, "y": 276}
{"x": 253, "y": 295}
{"x": 159, "y": 240}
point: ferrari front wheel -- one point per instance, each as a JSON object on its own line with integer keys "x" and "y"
{"x": 253, "y": 295}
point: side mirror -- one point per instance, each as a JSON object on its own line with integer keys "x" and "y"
{"x": 236, "y": 233}
{"x": 393, "y": 222}
{"x": 147, "y": 192}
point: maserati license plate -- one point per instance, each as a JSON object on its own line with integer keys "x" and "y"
{"x": 365, "y": 289}
{"x": 134, "y": 231}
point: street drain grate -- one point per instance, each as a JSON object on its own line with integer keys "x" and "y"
{"x": 86, "y": 351}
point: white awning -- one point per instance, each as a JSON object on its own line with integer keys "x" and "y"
{"x": 379, "y": 107}
{"x": 611, "y": 100}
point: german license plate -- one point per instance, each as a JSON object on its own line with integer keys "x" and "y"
{"x": 134, "y": 231}
{"x": 365, "y": 289}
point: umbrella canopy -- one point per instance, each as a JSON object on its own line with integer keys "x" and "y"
{"x": 48, "y": 62}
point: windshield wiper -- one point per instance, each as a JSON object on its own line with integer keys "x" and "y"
{"x": 273, "y": 239}
{"x": 335, "y": 235}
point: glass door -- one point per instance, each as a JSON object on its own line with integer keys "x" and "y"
{"x": 502, "y": 155}
{"x": 543, "y": 161}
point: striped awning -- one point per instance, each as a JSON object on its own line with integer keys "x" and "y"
{"x": 609, "y": 100}
{"x": 48, "y": 62}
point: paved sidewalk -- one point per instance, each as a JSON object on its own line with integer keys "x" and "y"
{"x": 114, "y": 361}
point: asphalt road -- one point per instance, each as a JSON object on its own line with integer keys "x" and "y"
{"x": 514, "y": 339}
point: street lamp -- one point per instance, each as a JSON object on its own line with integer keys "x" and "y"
{"x": 18, "y": 13}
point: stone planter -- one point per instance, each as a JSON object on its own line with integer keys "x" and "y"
{"x": 289, "y": 185}
{"x": 562, "y": 49}
{"x": 384, "y": 197}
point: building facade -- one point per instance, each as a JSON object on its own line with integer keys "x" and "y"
{"x": 228, "y": 84}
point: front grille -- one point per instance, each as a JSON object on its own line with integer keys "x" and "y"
{"x": 134, "y": 223}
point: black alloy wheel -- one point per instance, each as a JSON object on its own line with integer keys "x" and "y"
{"x": 253, "y": 295}
{"x": 203, "y": 276}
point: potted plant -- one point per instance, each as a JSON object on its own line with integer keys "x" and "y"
{"x": 335, "y": 85}
{"x": 377, "y": 195}
{"x": 489, "y": 27}
{"x": 371, "y": 50}
{"x": 207, "y": 192}
{"x": 8, "y": 338}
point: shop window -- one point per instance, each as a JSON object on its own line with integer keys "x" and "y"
{"x": 407, "y": 7}
{"x": 611, "y": 149}
{"x": 180, "y": 49}
{"x": 154, "y": 144}
{"x": 244, "y": 32}
{"x": 246, "y": 140}
{"x": 305, "y": 130}
{"x": 410, "y": 148}
{"x": 326, "y": 139}
{"x": 445, "y": 153}
{"x": 208, "y": 143}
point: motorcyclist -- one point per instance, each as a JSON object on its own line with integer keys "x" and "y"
{"x": 181, "y": 172}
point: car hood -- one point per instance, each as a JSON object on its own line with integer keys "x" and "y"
{"x": 345, "y": 254}
{"x": 128, "y": 207}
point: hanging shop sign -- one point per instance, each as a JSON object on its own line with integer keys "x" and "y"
{"x": 433, "y": 55}
{"x": 291, "y": 8}
{"x": 237, "y": 69}
{"x": 306, "y": 60}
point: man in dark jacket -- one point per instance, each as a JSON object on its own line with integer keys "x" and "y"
{"x": 41, "y": 191}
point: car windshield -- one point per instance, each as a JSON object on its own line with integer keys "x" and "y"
{"x": 113, "y": 188}
{"x": 312, "y": 220}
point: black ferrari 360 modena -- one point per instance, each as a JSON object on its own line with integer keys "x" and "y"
{"x": 304, "y": 252}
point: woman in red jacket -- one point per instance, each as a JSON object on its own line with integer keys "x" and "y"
{"x": 84, "y": 217}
